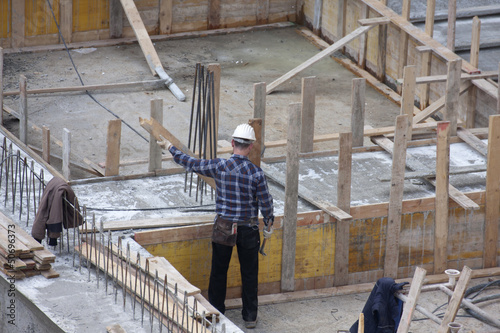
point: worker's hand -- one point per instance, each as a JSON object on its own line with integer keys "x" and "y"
{"x": 267, "y": 233}
{"x": 164, "y": 143}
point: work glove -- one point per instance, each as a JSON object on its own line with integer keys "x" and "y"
{"x": 267, "y": 233}
{"x": 164, "y": 143}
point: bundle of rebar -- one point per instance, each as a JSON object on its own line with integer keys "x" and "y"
{"x": 202, "y": 124}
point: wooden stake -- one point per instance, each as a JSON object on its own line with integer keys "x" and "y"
{"x": 116, "y": 19}
{"x": 165, "y": 17}
{"x": 391, "y": 261}
{"x": 318, "y": 8}
{"x": 46, "y": 144}
{"x": 254, "y": 155}
{"x": 452, "y": 18}
{"x": 361, "y": 323}
{"x": 23, "y": 110}
{"x": 66, "y": 15}
{"x": 308, "y": 109}
{"x": 403, "y": 40}
{"x": 452, "y": 94}
{"x": 155, "y": 151}
{"x": 259, "y": 109}
{"x": 291, "y": 197}
{"x": 381, "y": 57}
{"x": 66, "y": 153}
{"x": 344, "y": 203}
{"x": 341, "y": 21}
{"x": 474, "y": 61}
{"x": 456, "y": 299}
{"x": 113, "y": 148}
{"x": 411, "y": 303}
{"x": 408, "y": 97}
{"x": 363, "y": 39}
{"x": 492, "y": 194}
{"x": 442, "y": 195}
{"x": 358, "y": 92}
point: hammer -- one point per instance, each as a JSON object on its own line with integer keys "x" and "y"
{"x": 261, "y": 250}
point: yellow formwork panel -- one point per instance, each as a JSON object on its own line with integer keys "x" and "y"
{"x": 367, "y": 244}
{"x": 315, "y": 251}
{"x": 90, "y": 15}
{"x": 5, "y": 18}
{"x": 39, "y": 19}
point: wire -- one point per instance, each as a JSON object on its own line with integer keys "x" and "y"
{"x": 81, "y": 80}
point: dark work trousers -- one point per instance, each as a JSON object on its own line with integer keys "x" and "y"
{"x": 247, "y": 244}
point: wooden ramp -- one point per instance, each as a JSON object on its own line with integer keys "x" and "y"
{"x": 148, "y": 49}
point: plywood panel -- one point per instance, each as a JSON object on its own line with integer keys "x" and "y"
{"x": 5, "y": 18}
{"x": 90, "y": 15}
{"x": 38, "y": 17}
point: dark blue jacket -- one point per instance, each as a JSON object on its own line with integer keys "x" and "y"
{"x": 382, "y": 310}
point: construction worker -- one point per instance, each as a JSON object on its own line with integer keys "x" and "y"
{"x": 241, "y": 191}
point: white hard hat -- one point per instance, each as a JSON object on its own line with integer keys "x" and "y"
{"x": 245, "y": 133}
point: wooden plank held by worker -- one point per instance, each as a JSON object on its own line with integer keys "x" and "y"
{"x": 158, "y": 131}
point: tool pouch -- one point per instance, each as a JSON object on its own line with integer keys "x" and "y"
{"x": 224, "y": 232}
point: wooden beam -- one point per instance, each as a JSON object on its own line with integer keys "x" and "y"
{"x": 17, "y": 24}
{"x": 473, "y": 141}
{"x": 456, "y": 299}
{"x": 341, "y": 262}
{"x": 341, "y": 19}
{"x": 452, "y": 94}
{"x": 408, "y": 98}
{"x": 437, "y": 105}
{"x": 308, "y": 101}
{"x": 113, "y": 147}
{"x": 442, "y": 197}
{"x": 46, "y": 144}
{"x": 262, "y": 11}
{"x": 155, "y": 151}
{"x": 155, "y": 128}
{"x": 115, "y": 19}
{"x": 255, "y": 153}
{"x": 456, "y": 170}
{"x": 492, "y": 194}
{"x": 214, "y": 9}
{"x": 259, "y": 109}
{"x": 443, "y": 78}
{"x": 403, "y": 40}
{"x": 66, "y": 153}
{"x": 326, "y": 52}
{"x": 391, "y": 260}
{"x": 410, "y": 305}
{"x": 166, "y": 17}
{"x": 474, "y": 60}
{"x": 381, "y": 52}
{"x": 291, "y": 197}
{"x": 358, "y": 91}
{"x": 23, "y": 110}
{"x": 452, "y": 24}
{"x": 374, "y": 20}
{"x": 66, "y": 24}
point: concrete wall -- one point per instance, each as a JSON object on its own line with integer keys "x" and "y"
{"x": 22, "y": 316}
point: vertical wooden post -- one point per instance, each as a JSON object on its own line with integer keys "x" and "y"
{"x": 255, "y": 153}
{"x": 23, "y": 110}
{"x": 291, "y": 197}
{"x": 442, "y": 197}
{"x": 452, "y": 96}
{"x": 403, "y": 41}
{"x": 381, "y": 56}
{"x": 46, "y": 144}
{"x": 113, "y": 148}
{"x": 116, "y": 19}
{"x": 492, "y": 194}
{"x": 498, "y": 94}
{"x": 165, "y": 17}
{"x": 308, "y": 109}
{"x": 1, "y": 86}
{"x": 408, "y": 97}
{"x": 318, "y": 8}
{"x": 363, "y": 39}
{"x": 344, "y": 203}
{"x": 358, "y": 92}
{"x": 299, "y": 12}
{"x": 452, "y": 20}
{"x": 474, "y": 61}
{"x": 427, "y": 56}
{"x": 262, "y": 11}
{"x": 456, "y": 299}
{"x": 66, "y": 15}
{"x": 17, "y": 25}
{"x": 410, "y": 305}
{"x": 66, "y": 152}
{"x": 213, "y": 14}
{"x": 341, "y": 18}
{"x": 259, "y": 109}
{"x": 391, "y": 261}
{"x": 155, "y": 151}
{"x": 215, "y": 68}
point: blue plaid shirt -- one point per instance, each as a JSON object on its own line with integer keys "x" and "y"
{"x": 241, "y": 185}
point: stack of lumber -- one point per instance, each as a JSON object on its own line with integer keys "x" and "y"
{"x": 21, "y": 255}
{"x": 122, "y": 268}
